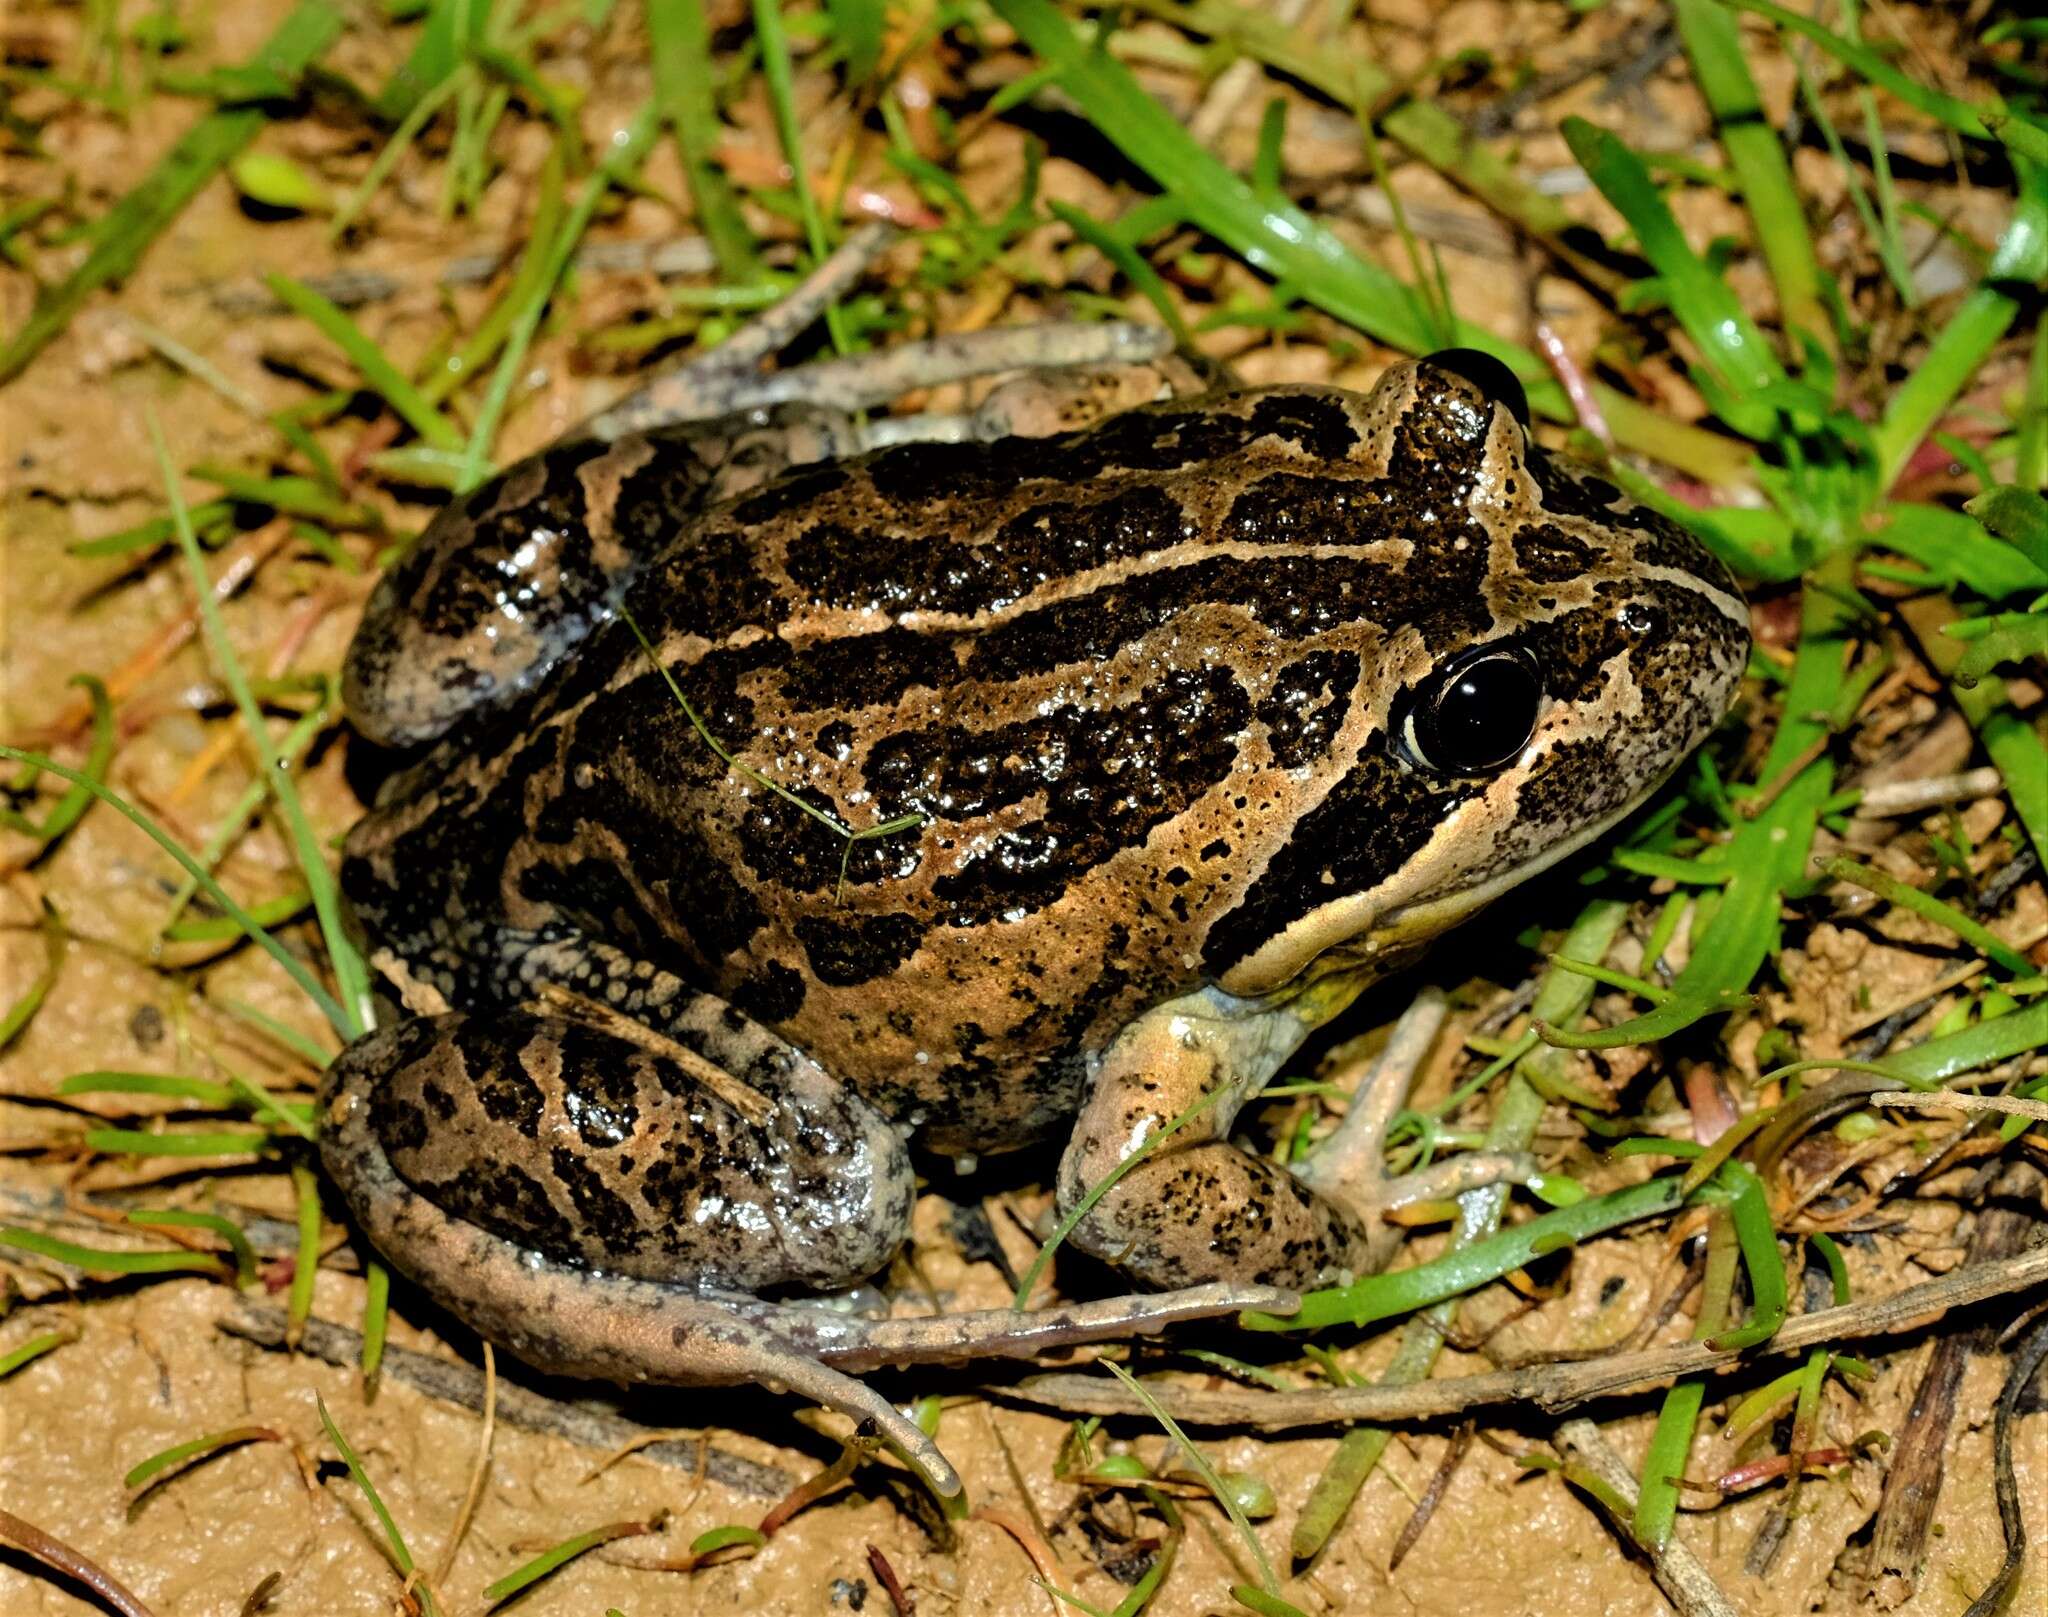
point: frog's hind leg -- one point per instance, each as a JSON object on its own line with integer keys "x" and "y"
{"x": 490, "y": 1261}
{"x": 551, "y": 1182}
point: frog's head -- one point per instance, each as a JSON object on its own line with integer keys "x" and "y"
{"x": 1539, "y": 655}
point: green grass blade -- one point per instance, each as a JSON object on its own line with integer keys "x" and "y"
{"x": 2017, "y": 515}
{"x": 560, "y": 1555}
{"x": 2020, "y": 261}
{"x": 1751, "y": 1211}
{"x": 2021, "y": 755}
{"x": 1402, "y": 1291}
{"x": 1224, "y": 1496}
{"x": 1768, "y": 854}
{"x": 96, "y": 1261}
{"x": 202, "y": 1091}
{"x": 56, "y": 944}
{"x": 773, "y": 39}
{"x": 376, "y": 1319}
{"x": 350, "y": 976}
{"x": 120, "y": 239}
{"x": 306, "y": 1262}
{"x": 178, "y": 1218}
{"x": 625, "y": 154}
{"x": 179, "y": 1454}
{"x": 484, "y": 342}
{"x": 1268, "y": 230}
{"x": 1704, "y": 303}
{"x": 178, "y": 1142}
{"x": 379, "y": 374}
{"x": 401, "y": 1557}
{"x": 291, "y": 965}
{"x": 1906, "y": 896}
{"x": 1656, "y": 1509}
{"x": 681, "y": 43}
{"x": 34, "y": 1348}
{"x": 451, "y": 27}
{"x": 1426, "y": 130}
{"x": 1997, "y": 122}
{"x": 1714, "y": 44}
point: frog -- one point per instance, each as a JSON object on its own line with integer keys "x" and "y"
{"x": 776, "y": 804}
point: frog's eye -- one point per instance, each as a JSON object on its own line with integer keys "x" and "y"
{"x": 1473, "y": 715}
{"x": 1486, "y": 373}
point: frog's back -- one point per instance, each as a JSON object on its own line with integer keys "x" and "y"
{"x": 1124, "y": 693}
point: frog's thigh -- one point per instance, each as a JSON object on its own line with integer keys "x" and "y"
{"x": 602, "y": 1153}
{"x": 1199, "y": 1208}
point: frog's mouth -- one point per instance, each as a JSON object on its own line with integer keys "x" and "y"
{"x": 1328, "y": 983}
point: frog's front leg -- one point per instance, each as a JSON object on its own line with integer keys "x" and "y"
{"x": 1200, "y": 1208}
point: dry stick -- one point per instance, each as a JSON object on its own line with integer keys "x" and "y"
{"x": 1547, "y": 1386}
{"x": 56, "y": 1553}
{"x": 479, "y": 1471}
{"x": 1948, "y": 1101}
{"x": 457, "y": 1383}
{"x": 2027, "y": 1359}
{"x": 1688, "y": 1584}
{"x": 1897, "y": 797}
{"x": 1912, "y": 1481}
{"x": 1432, "y": 1496}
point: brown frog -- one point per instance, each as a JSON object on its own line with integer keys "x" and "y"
{"x": 967, "y": 793}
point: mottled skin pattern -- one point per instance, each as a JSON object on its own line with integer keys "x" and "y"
{"x": 1144, "y": 684}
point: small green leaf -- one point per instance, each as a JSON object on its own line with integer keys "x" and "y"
{"x": 276, "y": 181}
{"x": 2019, "y": 516}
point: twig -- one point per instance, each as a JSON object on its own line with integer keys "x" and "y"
{"x": 1913, "y": 1479}
{"x": 885, "y": 1575}
{"x": 2026, "y": 1359}
{"x": 1893, "y": 797}
{"x": 1432, "y": 1496}
{"x": 1547, "y": 1386}
{"x": 56, "y": 1553}
{"x": 480, "y": 1470}
{"x": 456, "y": 1383}
{"x": 1949, "y": 1101}
{"x": 1689, "y": 1585}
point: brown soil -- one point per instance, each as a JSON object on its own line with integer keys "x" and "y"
{"x": 150, "y": 1366}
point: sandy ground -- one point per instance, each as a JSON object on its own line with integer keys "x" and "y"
{"x": 262, "y": 1527}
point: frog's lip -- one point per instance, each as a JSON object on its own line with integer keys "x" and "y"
{"x": 1426, "y": 917}
{"x": 1399, "y": 933}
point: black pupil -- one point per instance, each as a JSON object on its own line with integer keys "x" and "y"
{"x": 1482, "y": 716}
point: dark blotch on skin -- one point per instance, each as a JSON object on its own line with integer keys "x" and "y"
{"x": 867, "y": 670}
{"x": 1106, "y": 777}
{"x": 505, "y": 1199}
{"x": 1547, "y": 554}
{"x": 1403, "y": 807}
{"x": 773, "y": 994}
{"x": 607, "y": 1221}
{"x": 599, "y": 1090}
{"x": 1307, "y": 706}
{"x": 503, "y": 1090}
{"x": 847, "y": 949}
